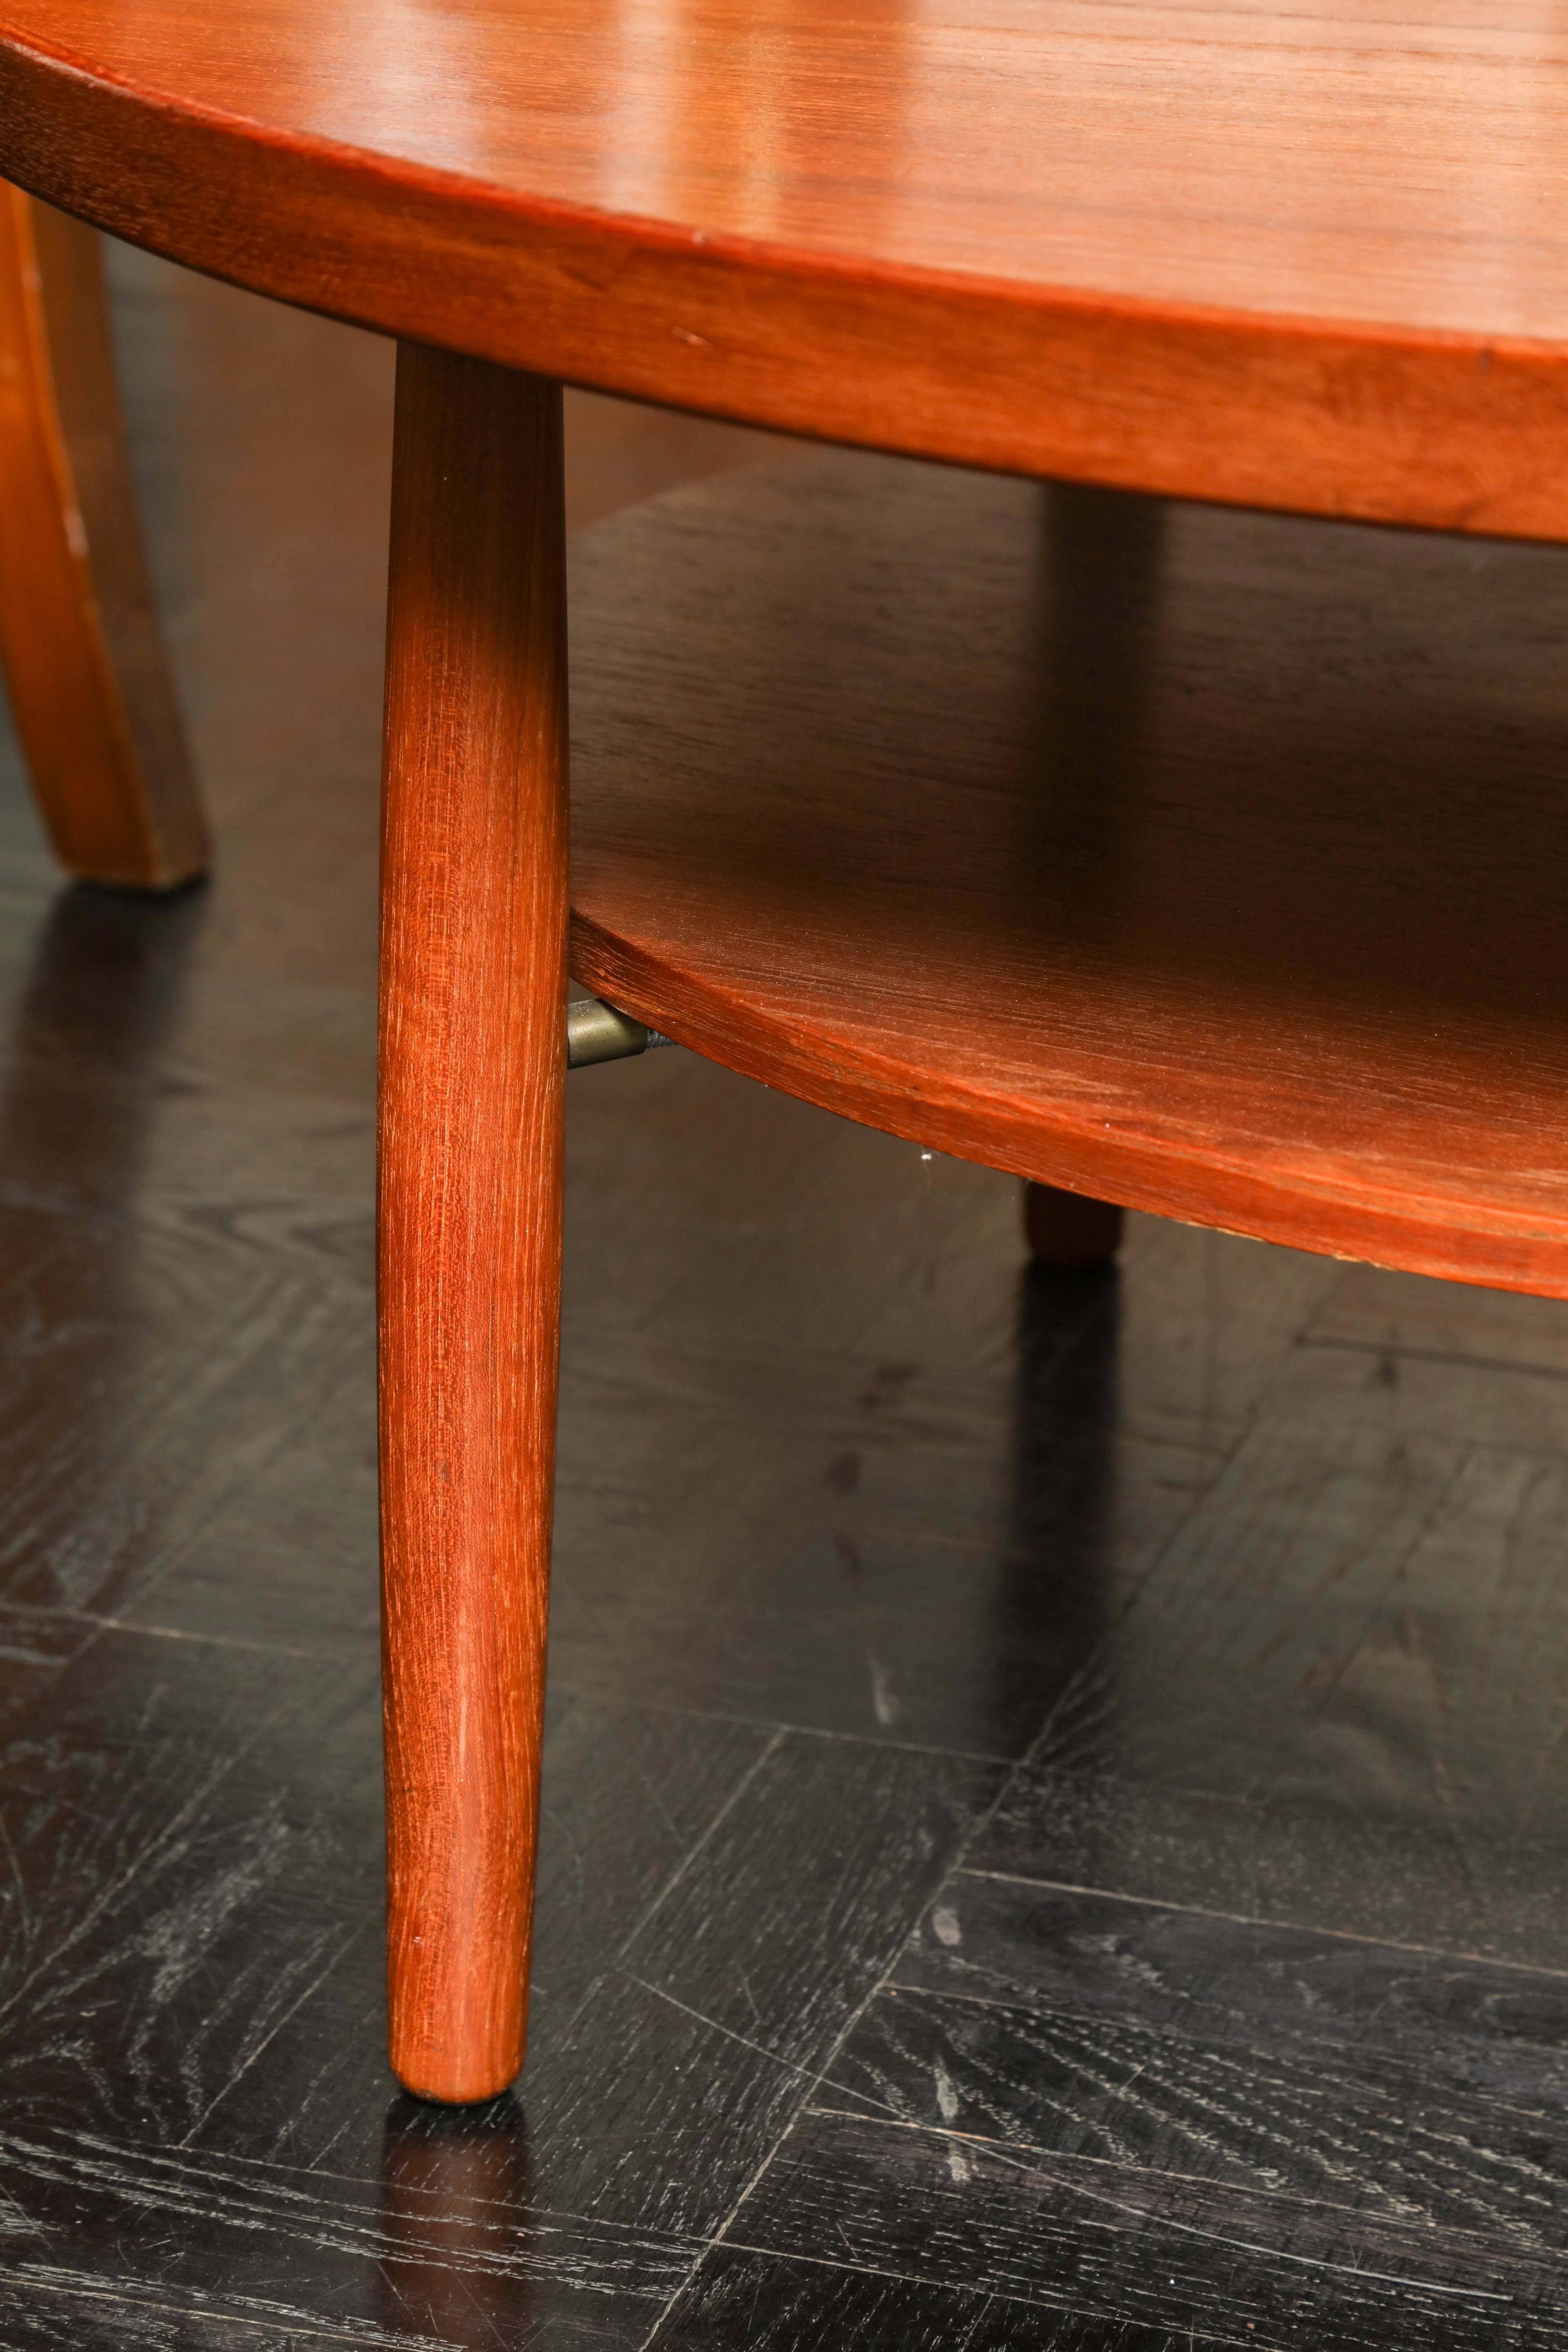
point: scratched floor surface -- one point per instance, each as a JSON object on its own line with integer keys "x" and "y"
{"x": 1055, "y": 1807}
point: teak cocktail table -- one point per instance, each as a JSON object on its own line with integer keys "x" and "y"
{"x": 1236, "y": 892}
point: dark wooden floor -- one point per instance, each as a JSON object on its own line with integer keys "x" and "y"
{"x": 1055, "y": 1806}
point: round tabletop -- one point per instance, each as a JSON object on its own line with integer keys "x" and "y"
{"x": 1313, "y": 259}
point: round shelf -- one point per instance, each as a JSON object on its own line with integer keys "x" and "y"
{"x": 1215, "y": 864}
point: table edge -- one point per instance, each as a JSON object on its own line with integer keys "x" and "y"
{"x": 1381, "y": 423}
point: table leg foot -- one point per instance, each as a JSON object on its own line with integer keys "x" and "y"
{"x": 1068, "y": 1230}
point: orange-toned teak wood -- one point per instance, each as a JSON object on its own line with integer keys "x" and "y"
{"x": 473, "y": 1068}
{"x": 90, "y": 687}
{"x": 1244, "y": 256}
{"x": 1259, "y": 253}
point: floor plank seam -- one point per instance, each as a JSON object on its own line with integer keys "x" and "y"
{"x": 1063, "y": 2303}
{"x": 786, "y": 2065}
{"x": 1139, "y": 2217}
{"x": 1009, "y": 2152}
{"x": 1252, "y": 1919}
{"x": 202, "y": 1641}
{"x": 1331, "y": 1343}
{"x": 235, "y": 2312}
{"x": 590, "y": 1694}
{"x": 125, "y": 2295}
{"x": 986, "y": 1813}
{"x": 815, "y": 2078}
{"x": 769, "y": 1749}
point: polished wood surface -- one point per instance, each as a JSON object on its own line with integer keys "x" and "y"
{"x": 472, "y": 1070}
{"x": 89, "y": 683}
{"x": 1247, "y": 1568}
{"x": 1070, "y": 1231}
{"x": 1212, "y": 864}
{"x": 1306, "y": 260}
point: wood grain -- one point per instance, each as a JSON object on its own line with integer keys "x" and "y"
{"x": 1480, "y": 2031}
{"x": 883, "y": 1566}
{"x": 705, "y": 2032}
{"x": 213, "y": 1805}
{"x": 44, "y": 2314}
{"x": 639, "y": 1793}
{"x": 144, "y": 1336}
{"x": 90, "y": 687}
{"x": 1247, "y": 255}
{"x": 472, "y": 1069}
{"x": 772, "y": 2304}
{"x": 1142, "y": 2248}
{"x": 1311, "y": 2122}
{"x": 1236, "y": 899}
{"x": 442, "y": 2243}
{"x": 757, "y": 1291}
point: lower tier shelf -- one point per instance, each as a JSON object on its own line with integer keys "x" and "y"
{"x": 1213, "y": 863}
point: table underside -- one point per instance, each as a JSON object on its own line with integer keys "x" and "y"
{"x": 1213, "y": 862}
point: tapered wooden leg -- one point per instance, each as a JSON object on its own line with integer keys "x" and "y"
{"x": 1068, "y": 1230}
{"x": 473, "y": 1068}
{"x": 90, "y": 690}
